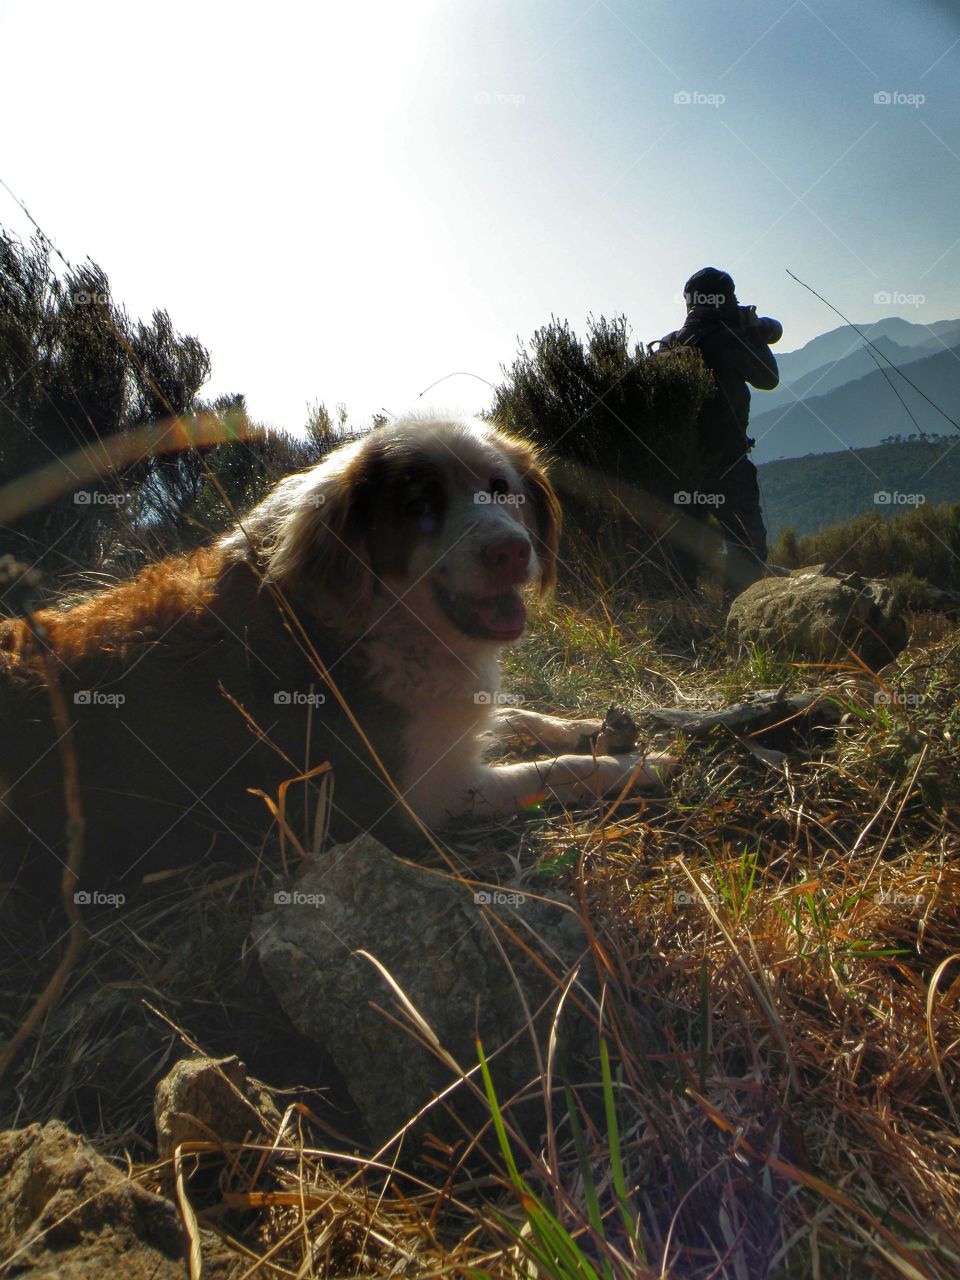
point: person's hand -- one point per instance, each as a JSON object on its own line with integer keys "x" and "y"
{"x": 748, "y": 317}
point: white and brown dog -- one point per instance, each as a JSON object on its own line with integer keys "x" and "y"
{"x": 356, "y": 617}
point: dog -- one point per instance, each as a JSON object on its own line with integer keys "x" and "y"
{"x": 351, "y": 623}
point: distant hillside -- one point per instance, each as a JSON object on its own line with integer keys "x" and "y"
{"x": 861, "y": 413}
{"x": 807, "y": 494}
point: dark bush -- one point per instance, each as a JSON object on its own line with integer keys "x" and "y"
{"x": 619, "y": 423}
{"x": 76, "y": 373}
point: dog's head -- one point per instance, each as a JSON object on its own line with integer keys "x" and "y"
{"x": 444, "y": 521}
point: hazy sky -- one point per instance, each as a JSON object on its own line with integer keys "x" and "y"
{"x": 349, "y": 201}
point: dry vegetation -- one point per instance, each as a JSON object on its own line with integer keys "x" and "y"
{"x": 776, "y": 1094}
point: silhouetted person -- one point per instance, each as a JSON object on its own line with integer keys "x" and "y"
{"x": 734, "y": 343}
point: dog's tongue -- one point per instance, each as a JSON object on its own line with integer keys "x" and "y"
{"x": 503, "y": 616}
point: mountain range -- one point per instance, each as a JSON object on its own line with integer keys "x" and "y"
{"x": 836, "y": 393}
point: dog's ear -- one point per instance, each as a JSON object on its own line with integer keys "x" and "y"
{"x": 317, "y": 543}
{"x": 545, "y": 505}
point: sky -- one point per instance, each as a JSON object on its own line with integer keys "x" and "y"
{"x": 349, "y": 202}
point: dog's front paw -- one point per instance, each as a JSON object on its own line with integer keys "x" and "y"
{"x": 585, "y": 734}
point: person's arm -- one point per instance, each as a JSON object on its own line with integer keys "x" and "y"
{"x": 752, "y": 358}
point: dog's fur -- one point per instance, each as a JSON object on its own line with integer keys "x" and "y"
{"x": 362, "y": 605}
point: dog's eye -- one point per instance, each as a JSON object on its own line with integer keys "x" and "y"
{"x": 499, "y": 487}
{"x": 424, "y": 512}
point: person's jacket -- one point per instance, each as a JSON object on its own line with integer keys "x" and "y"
{"x": 736, "y": 356}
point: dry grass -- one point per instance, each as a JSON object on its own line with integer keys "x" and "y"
{"x": 780, "y": 949}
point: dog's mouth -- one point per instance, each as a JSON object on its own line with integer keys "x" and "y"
{"x": 496, "y": 617}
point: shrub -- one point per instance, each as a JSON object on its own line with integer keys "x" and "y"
{"x": 620, "y": 423}
{"x": 923, "y": 543}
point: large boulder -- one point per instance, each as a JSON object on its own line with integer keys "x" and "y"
{"x": 820, "y": 616}
{"x": 445, "y": 946}
{"x": 66, "y": 1213}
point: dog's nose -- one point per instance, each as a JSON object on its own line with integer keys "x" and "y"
{"x": 509, "y": 559}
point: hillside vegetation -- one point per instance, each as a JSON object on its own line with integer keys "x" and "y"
{"x": 921, "y": 545}
{"x": 806, "y": 494}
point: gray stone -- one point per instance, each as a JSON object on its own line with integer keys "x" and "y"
{"x": 205, "y": 1099}
{"x": 819, "y": 616}
{"x": 441, "y": 948}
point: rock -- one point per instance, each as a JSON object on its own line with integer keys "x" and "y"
{"x": 923, "y": 596}
{"x": 437, "y": 942}
{"x": 202, "y": 1099}
{"x": 819, "y": 616}
{"x": 66, "y": 1213}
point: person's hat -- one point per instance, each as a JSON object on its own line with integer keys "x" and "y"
{"x": 710, "y": 287}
